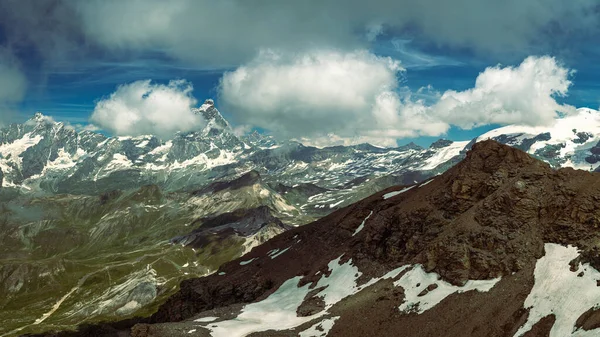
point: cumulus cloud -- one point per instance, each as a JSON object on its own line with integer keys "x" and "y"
{"x": 327, "y": 98}
{"x": 144, "y": 107}
{"x": 509, "y": 95}
{"x": 344, "y": 97}
{"x": 13, "y": 84}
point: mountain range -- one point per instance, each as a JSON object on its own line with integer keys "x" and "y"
{"x": 96, "y": 228}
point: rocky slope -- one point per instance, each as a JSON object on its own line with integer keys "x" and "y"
{"x": 499, "y": 245}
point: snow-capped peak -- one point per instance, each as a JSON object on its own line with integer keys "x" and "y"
{"x": 209, "y": 102}
{"x": 212, "y": 116}
{"x": 566, "y": 142}
{"x": 40, "y": 118}
{"x": 206, "y": 106}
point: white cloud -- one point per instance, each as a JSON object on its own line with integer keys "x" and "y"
{"x": 12, "y": 83}
{"x": 510, "y": 95}
{"x": 310, "y": 95}
{"x": 143, "y": 107}
{"x": 327, "y": 98}
{"x": 89, "y": 127}
{"x": 242, "y": 130}
{"x": 85, "y": 127}
{"x": 218, "y": 33}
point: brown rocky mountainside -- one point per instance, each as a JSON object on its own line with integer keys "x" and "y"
{"x": 499, "y": 245}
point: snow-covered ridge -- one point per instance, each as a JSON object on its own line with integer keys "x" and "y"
{"x": 567, "y": 142}
{"x": 85, "y": 160}
{"x": 443, "y": 155}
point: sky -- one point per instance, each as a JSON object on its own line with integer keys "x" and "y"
{"x": 386, "y": 72}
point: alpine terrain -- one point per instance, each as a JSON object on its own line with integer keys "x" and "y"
{"x": 97, "y": 229}
{"x": 299, "y": 168}
{"x": 499, "y": 245}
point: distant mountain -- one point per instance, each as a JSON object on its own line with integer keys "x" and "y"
{"x": 499, "y": 245}
{"x": 573, "y": 141}
{"x": 45, "y": 157}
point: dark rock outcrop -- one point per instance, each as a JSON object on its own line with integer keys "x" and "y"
{"x": 441, "y": 143}
{"x": 247, "y": 179}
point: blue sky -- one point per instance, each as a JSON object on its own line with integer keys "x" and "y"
{"x": 71, "y": 95}
{"x": 72, "y": 63}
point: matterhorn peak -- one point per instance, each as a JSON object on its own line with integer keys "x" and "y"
{"x": 40, "y": 118}
{"x": 212, "y": 116}
{"x": 208, "y": 103}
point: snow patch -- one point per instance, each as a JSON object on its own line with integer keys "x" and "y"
{"x": 341, "y": 282}
{"x": 279, "y": 310}
{"x": 243, "y": 263}
{"x": 16, "y": 148}
{"x": 143, "y": 144}
{"x": 559, "y": 291}
{"x": 206, "y": 319}
{"x": 395, "y": 193}
{"x": 118, "y": 162}
{"x": 276, "y": 254}
{"x": 320, "y": 329}
{"x": 362, "y": 225}
{"x": 561, "y": 133}
{"x": 224, "y": 158}
{"x": 64, "y": 160}
{"x": 425, "y": 183}
{"x": 417, "y": 280}
{"x": 130, "y": 306}
{"x": 276, "y": 312}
